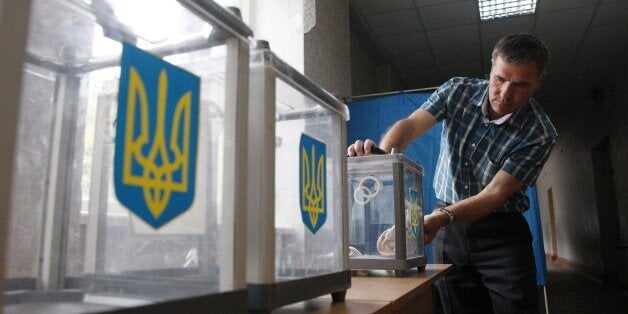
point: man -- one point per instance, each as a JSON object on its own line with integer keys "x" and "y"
{"x": 495, "y": 141}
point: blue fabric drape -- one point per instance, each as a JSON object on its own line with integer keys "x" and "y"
{"x": 371, "y": 118}
{"x": 534, "y": 220}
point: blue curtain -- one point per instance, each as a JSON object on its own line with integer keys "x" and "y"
{"x": 371, "y": 118}
{"x": 534, "y": 220}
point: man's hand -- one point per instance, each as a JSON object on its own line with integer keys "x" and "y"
{"x": 400, "y": 135}
{"x": 366, "y": 148}
{"x": 432, "y": 223}
{"x": 503, "y": 186}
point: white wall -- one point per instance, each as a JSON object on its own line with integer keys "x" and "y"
{"x": 327, "y": 52}
{"x": 616, "y": 95}
{"x": 582, "y": 124}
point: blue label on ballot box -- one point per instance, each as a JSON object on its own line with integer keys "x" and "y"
{"x": 312, "y": 179}
{"x": 156, "y": 137}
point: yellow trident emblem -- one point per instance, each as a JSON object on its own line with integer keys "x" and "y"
{"x": 415, "y": 214}
{"x": 313, "y": 202}
{"x": 157, "y": 178}
{"x": 154, "y": 166}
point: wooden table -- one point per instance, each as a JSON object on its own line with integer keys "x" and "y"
{"x": 410, "y": 294}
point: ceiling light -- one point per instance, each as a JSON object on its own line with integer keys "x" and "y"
{"x": 495, "y": 9}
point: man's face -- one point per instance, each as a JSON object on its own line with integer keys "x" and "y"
{"x": 511, "y": 86}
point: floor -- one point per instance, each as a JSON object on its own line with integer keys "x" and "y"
{"x": 570, "y": 292}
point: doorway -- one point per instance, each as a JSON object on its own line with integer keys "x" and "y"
{"x": 606, "y": 201}
{"x": 552, "y": 220}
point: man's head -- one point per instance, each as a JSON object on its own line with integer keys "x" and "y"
{"x": 521, "y": 48}
{"x": 519, "y": 64}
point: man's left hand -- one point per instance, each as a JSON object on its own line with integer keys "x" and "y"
{"x": 432, "y": 223}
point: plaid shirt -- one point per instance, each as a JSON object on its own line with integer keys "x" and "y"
{"x": 473, "y": 149}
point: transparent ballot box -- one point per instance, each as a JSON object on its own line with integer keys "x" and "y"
{"x": 131, "y": 135}
{"x": 296, "y": 212}
{"x": 385, "y": 213}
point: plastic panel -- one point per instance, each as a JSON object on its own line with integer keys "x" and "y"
{"x": 29, "y": 188}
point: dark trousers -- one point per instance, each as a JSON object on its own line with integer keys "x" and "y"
{"x": 494, "y": 266}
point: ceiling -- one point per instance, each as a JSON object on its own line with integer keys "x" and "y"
{"x": 430, "y": 41}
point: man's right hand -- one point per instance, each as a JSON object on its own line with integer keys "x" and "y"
{"x": 364, "y": 148}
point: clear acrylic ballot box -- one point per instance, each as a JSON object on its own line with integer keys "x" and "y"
{"x": 297, "y": 227}
{"x": 385, "y": 213}
{"x": 131, "y": 137}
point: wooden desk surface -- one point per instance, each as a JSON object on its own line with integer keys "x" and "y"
{"x": 378, "y": 294}
{"x": 320, "y": 305}
{"x": 389, "y": 289}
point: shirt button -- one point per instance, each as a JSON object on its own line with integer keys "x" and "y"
{"x": 472, "y": 144}
{"x": 486, "y": 124}
{"x": 466, "y": 163}
{"x": 466, "y": 187}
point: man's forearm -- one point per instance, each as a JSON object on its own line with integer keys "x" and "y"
{"x": 474, "y": 208}
{"x": 395, "y": 136}
{"x": 404, "y": 131}
{"x": 493, "y": 196}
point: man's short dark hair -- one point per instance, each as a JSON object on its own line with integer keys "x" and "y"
{"x": 519, "y": 48}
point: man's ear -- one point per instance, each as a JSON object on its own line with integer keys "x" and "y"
{"x": 542, "y": 77}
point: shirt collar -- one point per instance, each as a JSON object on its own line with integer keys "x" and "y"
{"x": 487, "y": 117}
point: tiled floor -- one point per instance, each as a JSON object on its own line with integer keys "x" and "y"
{"x": 570, "y": 292}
